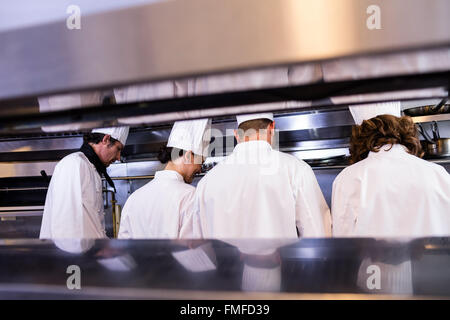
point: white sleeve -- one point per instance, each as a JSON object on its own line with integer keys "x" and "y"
{"x": 186, "y": 224}
{"x": 342, "y": 214}
{"x": 312, "y": 213}
{"x": 64, "y": 203}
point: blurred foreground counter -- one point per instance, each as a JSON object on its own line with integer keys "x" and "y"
{"x": 226, "y": 269}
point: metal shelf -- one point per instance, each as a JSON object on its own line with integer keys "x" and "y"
{"x": 436, "y": 117}
{"x": 437, "y": 161}
{"x": 24, "y": 211}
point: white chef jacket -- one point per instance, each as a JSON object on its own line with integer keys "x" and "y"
{"x": 74, "y": 202}
{"x": 391, "y": 194}
{"x": 258, "y": 192}
{"x": 159, "y": 209}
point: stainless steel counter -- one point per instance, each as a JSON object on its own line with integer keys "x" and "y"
{"x": 224, "y": 269}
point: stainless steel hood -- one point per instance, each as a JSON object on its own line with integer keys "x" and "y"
{"x": 177, "y": 39}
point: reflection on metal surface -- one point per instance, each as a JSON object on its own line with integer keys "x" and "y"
{"x": 22, "y": 189}
{"x": 43, "y": 144}
{"x": 290, "y": 122}
{"x": 316, "y": 145}
{"x": 28, "y": 211}
{"x": 225, "y": 104}
{"x": 134, "y": 178}
{"x": 314, "y": 120}
{"x": 321, "y": 154}
{"x": 391, "y": 96}
{"x": 217, "y": 36}
{"x": 197, "y": 258}
{"x": 26, "y": 169}
{"x": 437, "y": 117}
{"x": 317, "y": 268}
{"x": 58, "y": 292}
{"x": 21, "y": 208}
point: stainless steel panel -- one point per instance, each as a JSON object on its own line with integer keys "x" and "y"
{"x": 316, "y": 145}
{"x": 143, "y": 168}
{"x": 26, "y": 169}
{"x": 284, "y": 122}
{"x": 28, "y": 211}
{"x": 437, "y": 117}
{"x": 22, "y": 189}
{"x": 22, "y": 208}
{"x": 16, "y": 15}
{"x": 186, "y": 38}
{"x": 224, "y": 104}
{"x": 332, "y": 267}
{"x": 117, "y": 170}
{"x": 43, "y": 144}
{"x": 6, "y": 215}
{"x": 315, "y": 120}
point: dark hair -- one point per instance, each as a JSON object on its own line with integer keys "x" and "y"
{"x": 167, "y": 154}
{"x": 372, "y": 134}
{"x": 256, "y": 124}
{"x": 97, "y": 138}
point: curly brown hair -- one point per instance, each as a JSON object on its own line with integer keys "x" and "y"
{"x": 384, "y": 129}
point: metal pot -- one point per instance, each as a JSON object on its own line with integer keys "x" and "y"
{"x": 440, "y": 148}
{"x": 436, "y": 147}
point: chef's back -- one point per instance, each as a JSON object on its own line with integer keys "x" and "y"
{"x": 389, "y": 191}
{"x": 158, "y": 209}
{"x": 258, "y": 192}
{"x": 163, "y": 207}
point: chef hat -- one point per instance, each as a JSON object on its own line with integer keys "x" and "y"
{"x": 191, "y": 135}
{"x": 118, "y": 133}
{"x": 247, "y": 117}
{"x": 261, "y": 279}
{"x": 367, "y": 111}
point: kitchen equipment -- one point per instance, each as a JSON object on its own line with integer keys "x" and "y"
{"x": 330, "y": 161}
{"x": 435, "y": 131}
{"x": 116, "y": 211}
{"x": 440, "y": 148}
{"x": 45, "y": 176}
{"x": 424, "y": 133}
{"x": 436, "y": 147}
{"x": 441, "y": 107}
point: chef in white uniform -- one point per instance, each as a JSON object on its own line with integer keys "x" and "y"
{"x": 258, "y": 192}
{"x": 74, "y": 202}
{"x": 389, "y": 191}
{"x": 163, "y": 207}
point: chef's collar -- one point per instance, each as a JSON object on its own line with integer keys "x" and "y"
{"x": 254, "y": 144}
{"x": 169, "y": 174}
{"x": 93, "y": 158}
{"x": 396, "y": 149}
